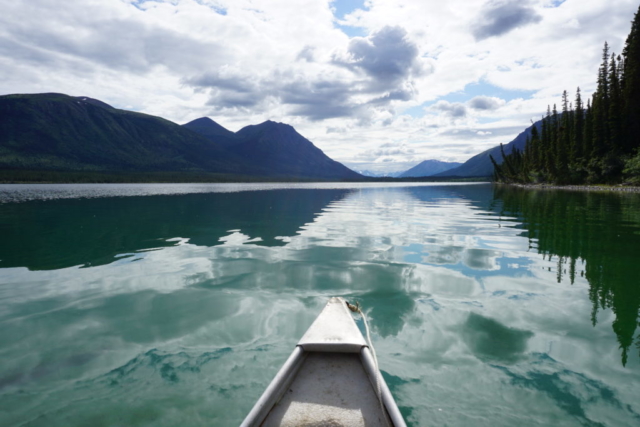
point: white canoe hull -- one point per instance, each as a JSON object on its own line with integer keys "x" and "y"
{"x": 330, "y": 379}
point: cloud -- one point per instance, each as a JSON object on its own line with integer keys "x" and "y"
{"x": 315, "y": 99}
{"x": 373, "y": 73}
{"x": 486, "y": 103}
{"x": 119, "y": 43}
{"x": 455, "y": 110}
{"x": 388, "y": 152}
{"x": 336, "y": 129}
{"x": 318, "y": 100}
{"x": 388, "y": 57}
{"x": 471, "y": 133}
{"x": 500, "y": 17}
{"x": 306, "y": 54}
{"x": 225, "y": 80}
{"x": 183, "y": 59}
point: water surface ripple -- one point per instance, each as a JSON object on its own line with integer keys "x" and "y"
{"x": 161, "y": 305}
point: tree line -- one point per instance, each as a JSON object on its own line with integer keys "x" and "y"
{"x": 596, "y": 142}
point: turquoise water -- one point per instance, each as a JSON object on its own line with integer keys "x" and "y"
{"x": 164, "y": 305}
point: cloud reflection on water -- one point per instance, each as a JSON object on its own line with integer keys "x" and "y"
{"x": 459, "y": 305}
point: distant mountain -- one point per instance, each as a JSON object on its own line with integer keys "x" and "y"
{"x": 58, "y": 132}
{"x": 212, "y": 130}
{"x": 428, "y": 168}
{"x": 480, "y": 164}
{"x": 274, "y": 149}
{"x": 277, "y": 149}
{"x": 61, "y": 133}
{"x": 374, "y": 174}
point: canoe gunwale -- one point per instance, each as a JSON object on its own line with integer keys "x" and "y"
{"x": 387, "y": 398}
{"x": 285, "y": 376}
{"x": 276, "y": 388}
{"x": 333, "y": 331}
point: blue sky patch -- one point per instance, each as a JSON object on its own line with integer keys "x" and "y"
{"x": 417, "y": 111}
{"x": 352, "y": 31}
{"x": 345, "y": 7}
{"x": 470, "y": 91}
{"x": 483, "y": 88}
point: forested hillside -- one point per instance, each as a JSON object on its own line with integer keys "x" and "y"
{"x": 596, "y": 142}
{"x": 54, "y": 137}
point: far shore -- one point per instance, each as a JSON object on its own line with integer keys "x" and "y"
{"x": 619, "y": 188}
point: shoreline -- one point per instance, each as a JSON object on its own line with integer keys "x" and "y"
{"x": 601, "y": 188}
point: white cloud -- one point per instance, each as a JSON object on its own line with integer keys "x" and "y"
{"x": 245, "y": 61}
{"x": 486, "y": 103}
{"x": 454, "y": 110}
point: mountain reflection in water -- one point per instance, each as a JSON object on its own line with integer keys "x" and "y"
{"x": 488, "y": 306}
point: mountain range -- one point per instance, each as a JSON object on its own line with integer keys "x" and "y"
{"x": 377, "y": 174}
{"x": 429, "y": 168}
{"x": 61, "y": 133}
{"x": 480, "y": 164}
{"x": 56, "y": 132}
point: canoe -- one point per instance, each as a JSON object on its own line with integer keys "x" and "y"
{"x": 330, "y": 379}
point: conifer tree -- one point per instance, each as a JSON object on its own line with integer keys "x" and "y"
{"x": 600, "y": 107}
{"x": 578, "y": 130}
{"x": 497, "y": 170}
{"x": 544, "y": 145}
{"x": 631, "y": 87}
{"x": 599, "y": 140}
{"x": 535, "y": 149}
{"x": 587, "y": 146}
{"x": 615, "y": 109}
{"x": 554, "y": 134}
{"x": 563, "y": 140}
{"x": 508, "y": 162}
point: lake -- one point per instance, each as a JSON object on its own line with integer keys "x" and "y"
{"x": 164, "y": 305}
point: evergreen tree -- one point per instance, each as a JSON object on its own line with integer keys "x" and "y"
{"x": 615, "y": 109}
{"x": 563, "y": 141}
{"x": 535, "y": 150}
{"x": 600, "y": 107}
{"x": 600, "y": 140}
{"x": 497, "y": 170}
{"x": 508, "y": 162}
{"x": 577, "y": 141}
{"x": 544, "y": 145}
{"x": 587, "y": 146}
{"x": 554, "y": 136}
{"x": 631, "y": 87}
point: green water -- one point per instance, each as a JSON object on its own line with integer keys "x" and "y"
{"x": 164, "y": 305}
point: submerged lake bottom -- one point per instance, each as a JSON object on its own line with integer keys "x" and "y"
{"x": 164, "y": 305}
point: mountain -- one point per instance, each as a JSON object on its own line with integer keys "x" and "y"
{"x": 480, "y": 164}
{"x": 58, "y": 132}
{"x": 212, "y": 130}
{"x": 55, "y": 133}
{"x": 428, "y": 168}
{"x": 273, "y": 149}
{"x": 277, "y": 149}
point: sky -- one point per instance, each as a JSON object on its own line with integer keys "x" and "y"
{"x": 376, "y": 84}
